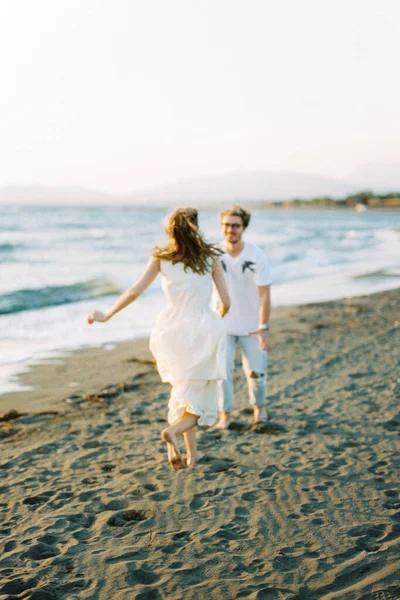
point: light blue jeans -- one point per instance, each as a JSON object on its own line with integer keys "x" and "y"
{"x": 254, "y": 362}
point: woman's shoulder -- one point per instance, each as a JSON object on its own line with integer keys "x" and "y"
{"x": 167, "y": 265}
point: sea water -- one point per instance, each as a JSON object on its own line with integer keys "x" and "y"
{"x": 57, "y": 263}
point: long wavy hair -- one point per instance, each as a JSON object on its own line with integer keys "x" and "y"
{"x": 186, "y": 244}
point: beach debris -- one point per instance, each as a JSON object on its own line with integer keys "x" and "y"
{"x": 7, "y": 429}
{"x": 89, "y": 480}
{"x": 12, "y": 415}
{"x": 93, "y": 398}
{"x": 69, "y": 567}
{"x": 141, "y": 361}
{"x": 108, "y": 467}
{"x": 320, "y": 325}
{"x": 268, "y": 428}
{"x": 151, "y": 538}
{"x": 353, "y": 308}
{"x": 105, "y": 395}
{"x": 74, "y": 399}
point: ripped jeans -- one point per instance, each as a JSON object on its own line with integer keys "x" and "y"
{"x": 254, "y": 365}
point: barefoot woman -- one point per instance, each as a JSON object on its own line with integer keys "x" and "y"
{"x": 188, "y": 340}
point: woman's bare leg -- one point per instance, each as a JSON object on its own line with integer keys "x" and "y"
{"x": 169, "y": 434}
{"x": 191, "y": 446}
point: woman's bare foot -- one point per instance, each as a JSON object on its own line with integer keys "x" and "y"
{"x": 224, "y": 421}
{"x": 194, "y": 459}
{"x": 260, "y": 414}
{"x": 175, "y": 458}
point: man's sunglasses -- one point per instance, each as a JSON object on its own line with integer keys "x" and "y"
{"x": 233, "y": 225}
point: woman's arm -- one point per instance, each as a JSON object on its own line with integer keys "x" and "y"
{"x": 149, "y": 275}
{"x": 222, "y": 289}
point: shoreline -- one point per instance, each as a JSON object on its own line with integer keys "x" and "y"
{"x": 55, "y": 379}
{"x": 304, "y": 507}
{"x": 25, "y": 375}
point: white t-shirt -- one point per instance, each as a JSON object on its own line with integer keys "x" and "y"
{"x": 243, "y": 274}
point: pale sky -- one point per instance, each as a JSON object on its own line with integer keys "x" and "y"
{"x": 119, "y": 95}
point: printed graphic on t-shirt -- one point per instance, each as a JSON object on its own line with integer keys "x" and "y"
{"x": 249, "y": 264}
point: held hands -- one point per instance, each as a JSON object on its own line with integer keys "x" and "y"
{"x": 262, "y": 335}
{"x": 97, "y": 315}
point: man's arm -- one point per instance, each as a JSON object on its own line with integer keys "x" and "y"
{"x": 265, "y": 308}
{"x": 265, "y": 303}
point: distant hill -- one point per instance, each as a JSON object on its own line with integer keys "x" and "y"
{"x": 58, "y": 195}
{"x": 232, "y": 187}
{"x": 241, "y": 187}
{"x": 381, "y": 177}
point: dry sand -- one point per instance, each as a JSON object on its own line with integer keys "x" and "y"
{"x": 305, "y": 508}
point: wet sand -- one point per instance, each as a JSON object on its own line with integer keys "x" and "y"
{"x": 303, "y": 508}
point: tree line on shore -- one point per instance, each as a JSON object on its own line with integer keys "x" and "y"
{"x": 363, "y": 199}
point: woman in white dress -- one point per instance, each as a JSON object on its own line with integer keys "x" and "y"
{"x": 189, "y": 339}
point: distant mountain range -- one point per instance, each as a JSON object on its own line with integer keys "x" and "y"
{"x": 234, "y": 187}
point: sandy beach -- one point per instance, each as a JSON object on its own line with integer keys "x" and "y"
{"x": 305, "y": 507}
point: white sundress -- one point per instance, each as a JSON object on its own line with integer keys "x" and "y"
{"x": 188, "y": 342}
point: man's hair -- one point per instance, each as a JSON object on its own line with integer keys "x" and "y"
{"x": 236, "y": 211}
{"x": 186, "y": 244}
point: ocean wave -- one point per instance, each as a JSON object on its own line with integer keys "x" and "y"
{"x": 388, "y": 235}
{"x": 54, "y": 295}
{"x": 380, "y": 274}
{"x": 7, "y": 247}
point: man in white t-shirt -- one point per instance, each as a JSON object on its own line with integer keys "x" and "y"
{"x": 248, "y": 276}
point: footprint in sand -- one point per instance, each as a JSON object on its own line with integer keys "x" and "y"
{"x": 255, "y": 566}
{"x": 128, "y": 517}
{"x": 179, "y": 541}
{"x": 393, "y": 501}
{"x": 268, "y": 472}
{"x": 160, "y": 496}
{"x": 79, "y": 520}
{"x": 294, "y": 516}
{"x": 392, "y": 493}
{"x": 18, "y": 586}
{"x": 89, "y": 480}
{"x": 151, "y": 487}
{"x": 378, "y": 468}
{"x": 308, "y": 508}
{"x": 200, "y": 500}
{"x": 231, "y": 531}
{"x": 241, "y": 514}
{"x": 371, "y": 538}
{"x": 182, "y": 535}
{"x": 9, "y": 546}
{"x": 41, "y": 551}
{"x": 108, "y": 467}
{"x": 392, "y": 504}
{"x": 144, "y": 575}
{"x": 42, "y": 498}
{"x": 393, "y": 424}
{"x": 286, "y": 561}
{"x": 114, "y": 504}
{"x": 268, "y": 428}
